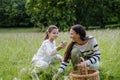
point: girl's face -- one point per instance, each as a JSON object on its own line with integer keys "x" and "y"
{"x": 74, "y": 36}
{"x": 53, "y": 34}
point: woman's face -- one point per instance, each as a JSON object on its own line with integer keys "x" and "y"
{"x": 53, "y": 34}
{"x": 74, "y": 36}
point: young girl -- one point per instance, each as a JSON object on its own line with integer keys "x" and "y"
{"x": 47, "y": 53}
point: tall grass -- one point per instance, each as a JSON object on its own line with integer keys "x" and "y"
{"x": 17, "y": 50}
{"x": 109, "y": 43}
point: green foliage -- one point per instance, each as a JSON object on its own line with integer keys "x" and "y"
{"x": 62, "y": 13}
{"x": 12, "y": 13}
{"x": 45, "y": 13}
{"x": 111, "y": 10}
{"x": 69, "y": 12}
{"x": 97, "y": 12}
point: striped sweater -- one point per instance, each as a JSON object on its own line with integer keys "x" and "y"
{"x": 89, "y": 51}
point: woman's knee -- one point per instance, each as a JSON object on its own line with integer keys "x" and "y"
{"x": 75, "y": 52}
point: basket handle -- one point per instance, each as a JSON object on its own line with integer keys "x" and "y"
{"x": 83, "y": 69}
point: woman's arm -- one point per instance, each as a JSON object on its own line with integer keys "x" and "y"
{"x": 63, "y": 66}
{"x": 96, "y": 53}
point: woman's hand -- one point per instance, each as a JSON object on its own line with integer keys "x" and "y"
{"x": 82, "y": 64}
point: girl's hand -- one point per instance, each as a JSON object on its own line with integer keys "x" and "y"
{"x": 63, "y": 44}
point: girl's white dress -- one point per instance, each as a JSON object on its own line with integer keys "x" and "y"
{"x": 46, "y": 54}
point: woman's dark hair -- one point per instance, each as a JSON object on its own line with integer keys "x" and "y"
{"x": 79, "y": 29}
{"x": 50, "y": 28}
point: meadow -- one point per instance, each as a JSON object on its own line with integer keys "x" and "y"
{"x": 17, "y": 48}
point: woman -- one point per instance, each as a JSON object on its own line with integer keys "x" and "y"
{"x": 47, "y": 53}
{"x": 80, "y": 46}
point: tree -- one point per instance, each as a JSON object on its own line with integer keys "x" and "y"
{"x": 97, "y": 12}
{"x": 12, "y": 13}
{"x": 44, "y": 13}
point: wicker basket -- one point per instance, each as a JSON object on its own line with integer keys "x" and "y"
{"x": 84, "y": 74}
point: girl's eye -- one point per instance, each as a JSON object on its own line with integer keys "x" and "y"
{"x": 55, "y": 33}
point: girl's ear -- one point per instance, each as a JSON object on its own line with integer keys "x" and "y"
{"x": 48, "y": 33}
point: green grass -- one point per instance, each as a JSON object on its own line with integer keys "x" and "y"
{"x": 17, "y": 48}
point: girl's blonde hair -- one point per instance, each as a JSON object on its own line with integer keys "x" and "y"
{"x": 50, "y": 28}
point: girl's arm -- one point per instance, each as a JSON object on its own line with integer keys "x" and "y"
{"x": 61, "y": 45}
{"x": 52, "y": 50}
